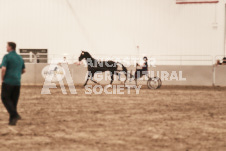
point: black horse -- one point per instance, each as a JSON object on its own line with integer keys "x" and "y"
{"x": 95, "y": 66}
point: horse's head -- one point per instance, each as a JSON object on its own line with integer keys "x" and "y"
{"x": 84, "y": 55}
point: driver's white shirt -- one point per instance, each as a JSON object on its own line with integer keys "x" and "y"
{"x": 64, "y": 61}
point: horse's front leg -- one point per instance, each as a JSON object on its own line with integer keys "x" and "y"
{"x": 87, "y": 79}
{"x": 92, "y": 78}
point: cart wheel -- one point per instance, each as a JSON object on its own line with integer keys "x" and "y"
{"x": 154, "y": 83}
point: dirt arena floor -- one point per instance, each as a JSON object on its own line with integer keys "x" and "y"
{"x": 169, "y": 119}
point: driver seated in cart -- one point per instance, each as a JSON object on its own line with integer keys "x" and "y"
{"x": 152, "y": 82}
{"x": 144, "y": 69}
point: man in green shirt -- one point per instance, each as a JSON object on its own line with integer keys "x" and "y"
{"x": 12, "y": 68}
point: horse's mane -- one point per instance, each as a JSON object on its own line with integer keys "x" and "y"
{"x": 88, "y": 54}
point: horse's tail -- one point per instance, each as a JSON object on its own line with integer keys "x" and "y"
{"x": 124, "y": 69}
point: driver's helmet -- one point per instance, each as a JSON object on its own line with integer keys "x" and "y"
{"x": 145, "y": 58}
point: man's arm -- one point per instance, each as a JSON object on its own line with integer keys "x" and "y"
{"x": 4, "y": 65}
{"x": 23, "y": 71}
{"x": 3, "y": 73}
{"x": 23, "y": 68}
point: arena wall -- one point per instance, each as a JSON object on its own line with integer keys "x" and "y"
{"x": 220, "y": 74}
{"x": 195, "y": 75}
{"x": 159, "y": 27}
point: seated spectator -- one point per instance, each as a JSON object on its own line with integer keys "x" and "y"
{"x": 224, "y": 61}
{"x": 218, "y": 62}
{"x": 221, "y": 63}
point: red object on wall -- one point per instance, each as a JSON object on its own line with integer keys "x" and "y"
{"x": 195, "y": 1}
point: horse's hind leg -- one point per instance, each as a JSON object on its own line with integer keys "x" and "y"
{"x": 118, "y": 74}
{"x": 112, "y": 77}
{"x": 135, "y": 81}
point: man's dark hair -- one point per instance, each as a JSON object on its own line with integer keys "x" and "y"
{"x": 12, "y": 45}
{"x": 224, "y": 60}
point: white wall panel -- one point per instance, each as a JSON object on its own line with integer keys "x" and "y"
{"x": 113, "y": 26}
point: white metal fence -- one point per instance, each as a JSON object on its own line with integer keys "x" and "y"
{"x": 202, "y": 63}
{"x": 132, "y": 60}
